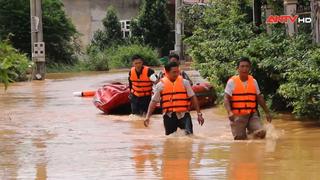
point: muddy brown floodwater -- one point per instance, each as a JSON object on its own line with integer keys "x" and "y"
{"x": 46, "y": 133}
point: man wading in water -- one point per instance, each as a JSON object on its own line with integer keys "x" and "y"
{"x": 140, "y": 83}
{"x": 242, "y": 96}
{"x": 174, "y": 94}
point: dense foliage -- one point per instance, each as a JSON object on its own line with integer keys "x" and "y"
{"x": 13, "y": 65}
{"x": 152, "y": 26}
{"x": 59, "y": 33}
{"x": 119, "y": 57}
{"x": 108, "y": 49}
{"x": 111, "y": 33}
{"x": 286, "y": 68}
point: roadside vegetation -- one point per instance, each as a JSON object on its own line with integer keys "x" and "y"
{"x": 13, "y": 64}
{"x": 287, "y": 68}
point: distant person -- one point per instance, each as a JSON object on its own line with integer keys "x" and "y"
{"x": 140, "y": 83}
{"x": 175, "y": 95}
{"x": 175, "y": 58}
{"x": 242, "y": 96}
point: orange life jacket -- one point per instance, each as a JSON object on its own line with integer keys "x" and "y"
{"x": 174, "y": 97}
{"x": 244, "y": 99}
{"x": 141, "y": 86}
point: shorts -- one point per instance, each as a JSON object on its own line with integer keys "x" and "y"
{"x": 250, "y": 123}
{"x": 139, "y": 105}
{"x": 172, "y": 123}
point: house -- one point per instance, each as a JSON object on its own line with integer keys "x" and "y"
{"x": 87, "y": 15}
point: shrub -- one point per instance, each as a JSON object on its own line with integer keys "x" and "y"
{"x": 96, "y": 60}
{"x": 120, "y": 57}
{"x": 13, "y": 65}
{"x": 302, "y": 88}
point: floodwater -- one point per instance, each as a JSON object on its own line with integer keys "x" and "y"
{"x": 46, "y": 133}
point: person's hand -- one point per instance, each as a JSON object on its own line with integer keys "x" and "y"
{"x": 269, "y": 117}
{"x": 146, "y": 122}
{"x": 130, "y": 96}
{"x": 200, "y": 119}
{"x": 231, "y": 116}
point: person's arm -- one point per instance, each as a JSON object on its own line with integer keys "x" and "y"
{"x": 159, "y": 76}
{"x": 262, "y": 103}
{"x": 153, "y": 76}
{"x": 186, "y": 76}
{"x": 227, "y": 105}
{"x": 152, "y": 105}
{"x": 150, "y": 72}
{"x": 227, "y": 98}
{"x": 194, "y": 101}
{"x": 130, "y": 83}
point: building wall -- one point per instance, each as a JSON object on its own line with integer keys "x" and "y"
{"x": 88, "y": 14}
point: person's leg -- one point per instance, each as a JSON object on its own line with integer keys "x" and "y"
{"x": 239, "y": 127}
{"x": 170, "y": 124}
{"x": 186, "y": 124}
{"x": 255, "y": 127}
{"x": 144, "y": 104}
{"x": 134, "y": 105}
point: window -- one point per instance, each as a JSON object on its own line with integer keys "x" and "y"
{"x": 125, "y": 28}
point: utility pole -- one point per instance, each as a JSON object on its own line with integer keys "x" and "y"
{"x": 37, "y": 44}
{"x": 178, "y": 48}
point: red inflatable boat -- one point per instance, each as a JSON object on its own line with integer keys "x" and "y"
{"x": 111, "y": 97}
{"x": 114, "y": 97}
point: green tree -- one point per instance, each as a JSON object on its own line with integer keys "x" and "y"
{"x": 153, "y": 25}
{"x": 59, "y": 33}
{"x": 286, "y": 68}
{"x": 111, "y": 34}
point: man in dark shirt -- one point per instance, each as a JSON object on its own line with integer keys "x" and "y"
{"x": 141, "y": 80}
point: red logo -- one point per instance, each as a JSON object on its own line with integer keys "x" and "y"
{"x": 281, "y": 19}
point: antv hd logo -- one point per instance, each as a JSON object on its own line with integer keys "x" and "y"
{"x": 274, "y": 19}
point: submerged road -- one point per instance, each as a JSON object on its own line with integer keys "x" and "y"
{"x": 46, "y": 133}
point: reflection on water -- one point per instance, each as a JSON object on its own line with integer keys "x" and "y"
{"x": 46, "y": 133}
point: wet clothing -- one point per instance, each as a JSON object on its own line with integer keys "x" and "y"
{"x": 140, "y": 100}
{"x": 231, "y": 85}
{"x": 139, "y": 105}
{"x": 174, "y": 96}
{"x": 244, "y": 96}
{"x": 149, "y": 73}
{"x": 171, "y": 123}
{"x": 157, "y": 94}
{"x": 250, "y": 122}
{"x": 173, "y": 120}
{"x": 141, "y": 85}
{"x": 183, "y": 74}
